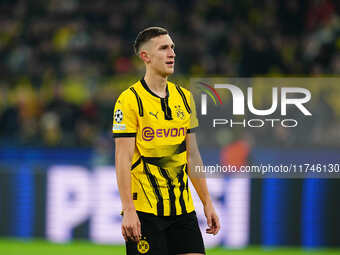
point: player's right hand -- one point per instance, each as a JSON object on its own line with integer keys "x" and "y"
{"x": 131, "y": 227}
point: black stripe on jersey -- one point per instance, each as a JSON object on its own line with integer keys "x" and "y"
{"x": 192, "y": 130}
{"x": 172, "y": 197}
{"x": 187, "y": 184}
{"x": 160, "y": 161}
{"x": 154, "y": 184}
{"x": 134, "y": 165}
{"x": 149, "y": 90}
{"x": 166, "y": 108}
{"x": 144, "y": 192}
{"x": 139, "y": 102}
{"x": 117, "y": 135}
{"x": 181, "y": 188}
{"x": 157, "y": 161}
{"x": 181, "y": 148}
{"x": 180, "y": 91}
{"x": 186, "y": 169}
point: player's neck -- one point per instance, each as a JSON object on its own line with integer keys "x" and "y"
{"x": 156, "y": 83}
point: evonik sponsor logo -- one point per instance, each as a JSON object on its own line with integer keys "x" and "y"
{"x": 148, "y": 133}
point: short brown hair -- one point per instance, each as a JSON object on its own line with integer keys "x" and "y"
{"x": 146, "y": 35}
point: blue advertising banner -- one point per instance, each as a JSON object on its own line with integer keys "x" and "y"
{"x": 60, "y": 195}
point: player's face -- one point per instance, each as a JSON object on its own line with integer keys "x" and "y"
{"x": 162, "y": 55}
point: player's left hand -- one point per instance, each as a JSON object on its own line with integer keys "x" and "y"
{"x": 212, "y": 219}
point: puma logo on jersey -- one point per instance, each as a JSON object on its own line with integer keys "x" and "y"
{"x": 155, "y": 115}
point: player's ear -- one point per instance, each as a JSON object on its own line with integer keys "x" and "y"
{"x": 144, "y": 55}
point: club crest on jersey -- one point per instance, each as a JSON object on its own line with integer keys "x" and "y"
{"x": 143, "y": 246}
{"x": 179, "y": 112}
{"x": 118, "y": 116}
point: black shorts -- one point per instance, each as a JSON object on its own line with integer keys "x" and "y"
{"x": 167, "y": 235}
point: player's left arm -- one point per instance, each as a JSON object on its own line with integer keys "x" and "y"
{"x": 200, "y": 184}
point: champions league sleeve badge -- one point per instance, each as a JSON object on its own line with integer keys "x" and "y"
{"x": 118, "y": 116}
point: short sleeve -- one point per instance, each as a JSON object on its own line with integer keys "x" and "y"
{"x": 124, "y": 117}
{"x": 193, "y": 124}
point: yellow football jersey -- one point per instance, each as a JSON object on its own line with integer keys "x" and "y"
{"x": 159, "y": 171}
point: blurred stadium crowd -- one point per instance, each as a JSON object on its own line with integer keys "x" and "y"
{"x": 63, "y": 61}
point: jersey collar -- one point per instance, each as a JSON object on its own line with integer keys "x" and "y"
{"x": 145, "y": 86}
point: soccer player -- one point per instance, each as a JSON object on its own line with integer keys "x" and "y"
{"x": 154, "y": 130}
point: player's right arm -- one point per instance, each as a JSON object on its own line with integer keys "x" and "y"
{"x": 124, "y": 131}
{"x": 131, "y": 227}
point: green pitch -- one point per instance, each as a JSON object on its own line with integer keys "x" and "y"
{"x": 15, "y": 247}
